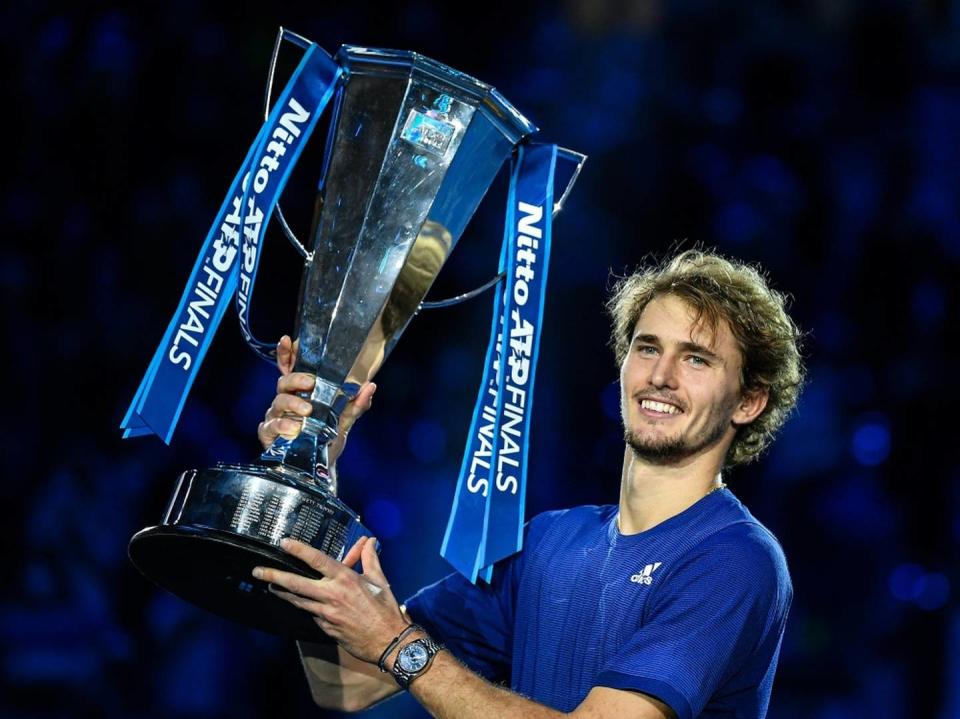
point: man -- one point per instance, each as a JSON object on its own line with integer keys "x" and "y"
{"x": 671, "y": 603}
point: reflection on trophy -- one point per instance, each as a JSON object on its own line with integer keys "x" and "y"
{"x": 412, "y": 149}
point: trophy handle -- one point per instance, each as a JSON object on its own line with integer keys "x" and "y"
{"x": 300, "y": 41}
{"x": 578, "y": 160}
{"x": 462, "y": 298}
{"x": 264, "y": 351}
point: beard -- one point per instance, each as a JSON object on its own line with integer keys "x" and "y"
{"x": 668, "y": 450}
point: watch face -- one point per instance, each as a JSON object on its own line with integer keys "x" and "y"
{"x": 413, "y": 657}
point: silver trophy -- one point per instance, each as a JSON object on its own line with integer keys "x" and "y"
{"x": 413, "y": 147}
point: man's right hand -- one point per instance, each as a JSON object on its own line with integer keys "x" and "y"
{"x": 284, "y": 417}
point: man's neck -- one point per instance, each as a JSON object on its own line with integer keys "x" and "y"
{"x": 651, "y": 493}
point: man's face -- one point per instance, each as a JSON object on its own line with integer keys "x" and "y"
{"x": 680, "y": 385}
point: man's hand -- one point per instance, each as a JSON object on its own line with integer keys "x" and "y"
{"x": 284, "y": 417}
{"x": 357, "y": 610}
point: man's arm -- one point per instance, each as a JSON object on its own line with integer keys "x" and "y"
{"x": 448, "y": 690}
{"x": 360, "y": 612}
{"x": 342, "y": 682}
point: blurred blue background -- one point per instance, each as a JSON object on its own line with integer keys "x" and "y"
{"x": 819, "y": 138}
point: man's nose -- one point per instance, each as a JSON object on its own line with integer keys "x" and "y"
{"x": 664, "y": 372}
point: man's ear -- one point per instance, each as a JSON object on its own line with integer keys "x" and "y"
{"x": 751, "y": 404}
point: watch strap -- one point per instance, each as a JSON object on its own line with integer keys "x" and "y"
{"x": 403, "y": 676}
{"x": 393, "y": 645}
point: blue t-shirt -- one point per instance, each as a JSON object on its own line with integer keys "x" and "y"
{"x": 691, "y": 611}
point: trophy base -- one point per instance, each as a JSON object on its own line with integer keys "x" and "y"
{"x": 223, "y": 522}
{"x": 213, "y": 571}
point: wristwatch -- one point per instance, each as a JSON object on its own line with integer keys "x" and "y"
{"x": 414, "y": 659}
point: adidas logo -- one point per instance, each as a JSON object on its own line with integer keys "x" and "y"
{"x": 644, "y": 576}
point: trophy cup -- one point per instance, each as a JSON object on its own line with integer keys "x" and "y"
{"x": 412, "y": 148}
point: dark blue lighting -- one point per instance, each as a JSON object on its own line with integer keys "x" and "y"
{"x": 871, "y": 442}
{"x": 933, "y": 203}
{"x": 929, "y": 303}
{"x": 384, "y": 518}
{"x": 858, "y": 508}
{"x": 166, "y": 613}
{"x": 906, "y": 582}
{"x": 769, "y": 176}
{"x": 610, "y": 399}
{"x": 199, "y": 657}
{"x": 38, "y": 579}
{"x": 711, "y": 164}
{"x": 112, "y": 48}
{"x": 427, "y": 440}
{"x": 22, "y": 207}
{"x": 46, "y": 664}
{"x": 737, "y": 223}
{"x": 911, "y": 583}
{"x": 208, "y": 40}
{"x": 832, "y": 331}
{"x": 54, "y": 37}
{"x": 934, "y": 591}
{"x": 259, "y": 387}
{"x": 722, "y": 105}
{"x": 813, "y": 440}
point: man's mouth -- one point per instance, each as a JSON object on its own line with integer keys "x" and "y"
{"x": 652, "y": 405}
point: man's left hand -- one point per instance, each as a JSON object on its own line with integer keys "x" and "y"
{"x": 357, "y": 610}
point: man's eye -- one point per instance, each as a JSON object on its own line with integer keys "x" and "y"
{"x": 698, "y": 361}
{"x": 646, "y": 349}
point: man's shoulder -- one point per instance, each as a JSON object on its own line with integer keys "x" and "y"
{"x": 585, "y": 516}
{"x": 748, "y": 539}
{"x": 742, "y": 549}
{"x": 745, "y": 535}
{"x": 580, "y": 514}
{"x": 558, "y": 531}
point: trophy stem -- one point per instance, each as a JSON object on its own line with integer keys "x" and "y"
{"x": 305, "y": 458}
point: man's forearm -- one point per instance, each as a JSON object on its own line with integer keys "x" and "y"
{"x": 449, "y": 690}
{"x": 338, "y": 681}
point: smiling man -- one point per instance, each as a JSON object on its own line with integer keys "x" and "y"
{"x": 672, "y": 602}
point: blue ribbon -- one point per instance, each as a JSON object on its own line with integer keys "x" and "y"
{"x": 230, "y": 254}
{"x": 486, "y": 520}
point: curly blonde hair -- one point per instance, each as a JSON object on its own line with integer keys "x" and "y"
{"x": 719, "y": 289}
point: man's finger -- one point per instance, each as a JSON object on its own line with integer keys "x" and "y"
{"x": 308, "y": 605}
{"x": 356, "y": 407}
{"x": 296, "y": 583}
{"x": 295, "y": 382}
{"x": 313, "y": 558}
{"x": 288, "y": 404}
{"x": 285, "y": 354}
{"x": 371, "y": 564}
{"x": 364, "y": 397}
{"x": 353, "y": 556}
{"x": 279, "y": 426}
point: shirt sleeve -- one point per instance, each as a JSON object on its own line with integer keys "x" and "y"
{"x": 475, "y": 622}
{"x": 719, "y": 612}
